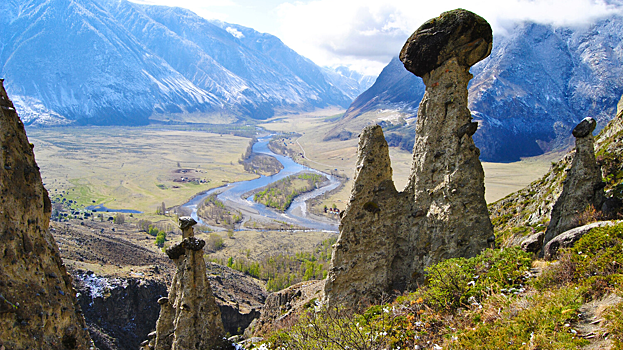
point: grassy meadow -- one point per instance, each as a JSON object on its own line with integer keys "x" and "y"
{"x": 135, "y": 168}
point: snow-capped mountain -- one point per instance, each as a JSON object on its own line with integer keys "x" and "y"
{"x": 538, "y": 83}
{"x": 116, "y": 62}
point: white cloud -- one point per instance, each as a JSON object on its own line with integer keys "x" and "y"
{"x": 234, "y": 32}
{"x": 365, "y": 34}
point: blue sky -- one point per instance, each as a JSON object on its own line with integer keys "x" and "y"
{"x": 365, "y": 34}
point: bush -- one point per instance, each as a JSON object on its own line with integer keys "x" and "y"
{"x": 452, "y": 283}
{"x": 119, "y": 219}
{"x": 143, "y": 225}
{"x": 161, "y": 238}
{"x": 215, "y": 242}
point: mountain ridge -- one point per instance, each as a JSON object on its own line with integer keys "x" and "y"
{"x": 115, "y": 62}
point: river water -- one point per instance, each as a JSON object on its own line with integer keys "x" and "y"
{"x": 297, "y": 214}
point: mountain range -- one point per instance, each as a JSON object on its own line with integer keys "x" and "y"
{"x": 537, "y": 84}
{"x": 115, "y": 62}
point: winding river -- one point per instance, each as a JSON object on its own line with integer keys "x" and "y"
{"x": 231, "y": 195}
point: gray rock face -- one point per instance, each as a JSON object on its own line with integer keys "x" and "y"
{"x": 38, "y": 306}
{"x": 387, "y": 237}
{"x": 189, "y": 317}
{"x": 568, "y": 238}
{"x": 582, "y": 188}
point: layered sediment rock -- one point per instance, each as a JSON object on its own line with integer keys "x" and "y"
{"x": 387, "y": 238}
{"x": 38, "y": 307}
{"x": 583, "y": 187}
{"x": 189, "y": 317}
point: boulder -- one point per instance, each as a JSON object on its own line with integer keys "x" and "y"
{"x": 533, "y": 243}
{"x": 458, "y": 34}
{"x": 568, "y": 238}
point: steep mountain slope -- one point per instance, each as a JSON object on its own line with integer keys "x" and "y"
{"x": 74, "y": 60}
{"x": 115, "y": 62}
{"x": 395, "y": 88}
{"x": 537, "y": 84}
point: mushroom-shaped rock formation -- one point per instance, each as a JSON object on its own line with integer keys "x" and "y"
{"x": 189, "y": 317}
{"x": 387, "y": 238}
{"x": 583, "y": 187}
{"x": 38, "y": 306}
{"x": 458, "y": 34}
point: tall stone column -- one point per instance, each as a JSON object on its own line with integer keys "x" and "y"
{"x": 447, "y": 179}
{"x": 387, "y": 238}
{"x": 361, "y": 263}
{"x": 583, "y": 186}
{"x": 189, "y": 317}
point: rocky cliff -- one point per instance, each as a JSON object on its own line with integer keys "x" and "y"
{"x": 38, "y": 307}
{"x": 387, "y": 238}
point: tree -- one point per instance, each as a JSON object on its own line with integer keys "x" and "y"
{"x": 161, "y": 238}
{"x": 119, "y": 219}
{"x": 143, "y": 225}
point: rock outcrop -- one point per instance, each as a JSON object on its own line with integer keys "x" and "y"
{"x": 282, "y": 307}
{"x": 189, "y": 317}
{"x": 583, "y": 186}
{"x": 568, "y": 238}
{"x": 120, "y": 312}
{"x": 38, "y": 307}
{"x": 387, "y": 238}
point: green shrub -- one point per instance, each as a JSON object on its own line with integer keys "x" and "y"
{"x": 161, "y": 238}
{"x": 451, "y": 284}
